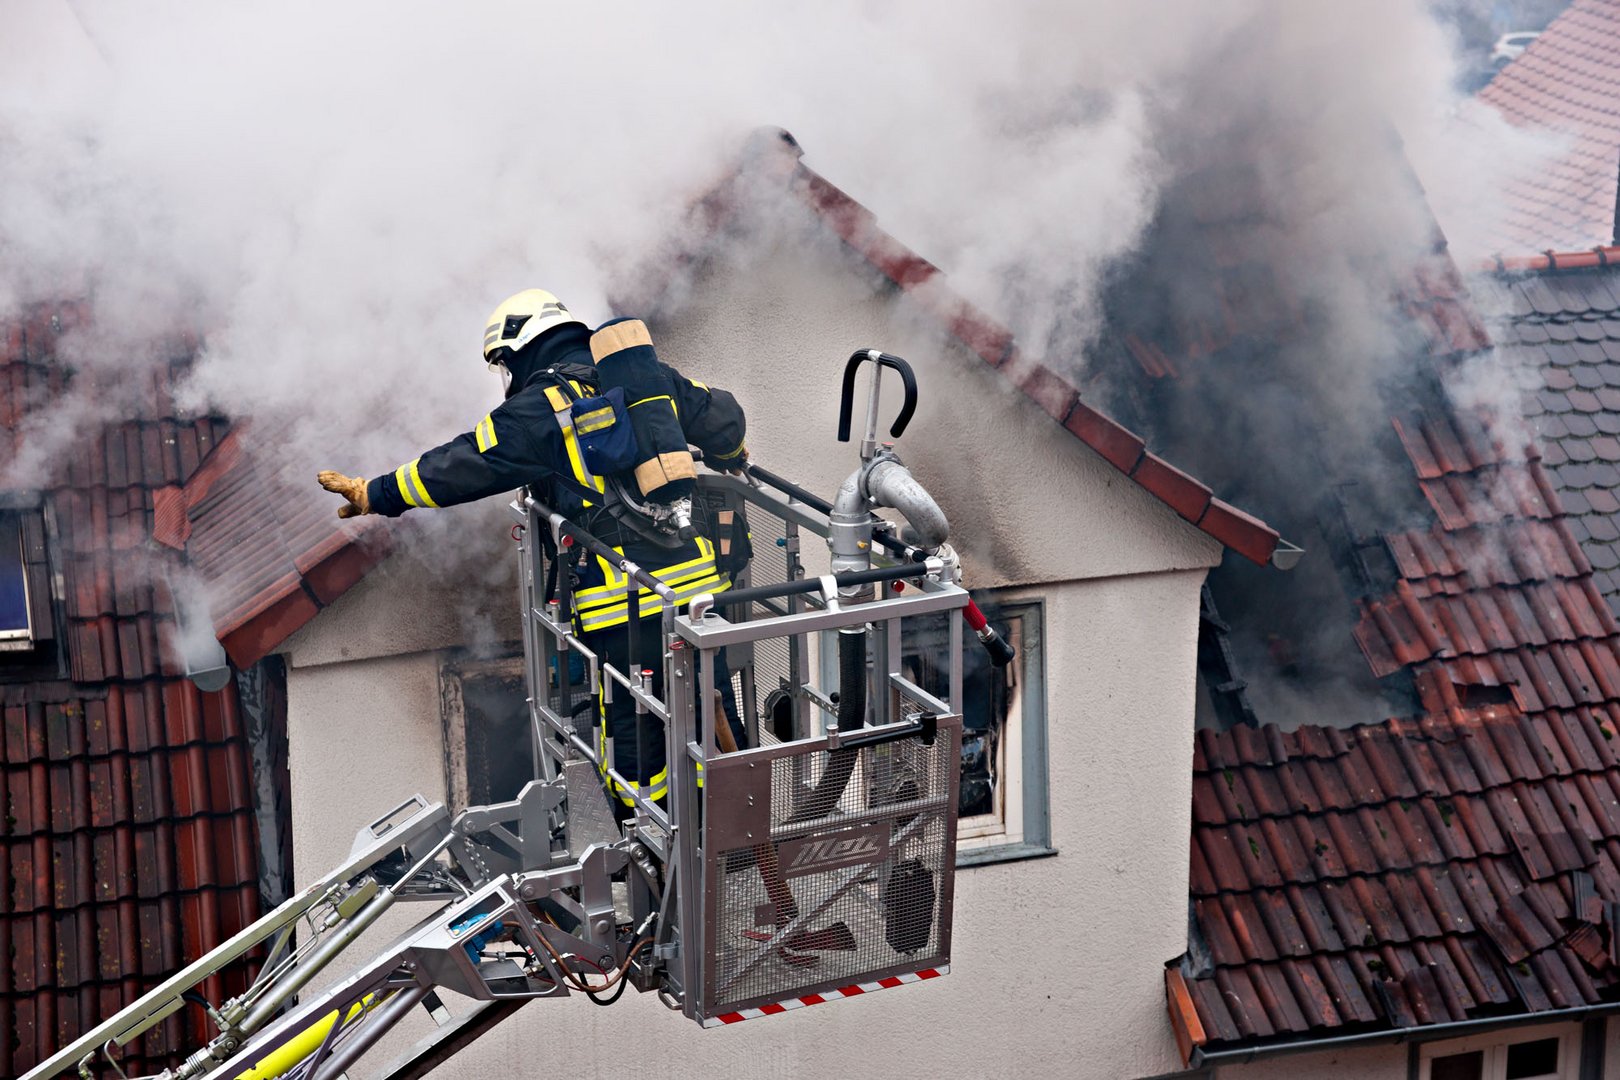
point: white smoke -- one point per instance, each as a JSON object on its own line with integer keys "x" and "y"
{"x": 333, "y": 196}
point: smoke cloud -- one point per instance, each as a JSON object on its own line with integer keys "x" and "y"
{"x": 332, "y": 196}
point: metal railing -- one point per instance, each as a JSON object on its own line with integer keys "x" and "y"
{"x": 708, "y": 960}
{"x": 813, "y": 852}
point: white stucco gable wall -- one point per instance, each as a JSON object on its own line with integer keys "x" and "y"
{"x": 1057, "y": 966}
{"x": 1028, "y": 500}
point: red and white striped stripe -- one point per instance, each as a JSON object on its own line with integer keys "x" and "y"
{"x": 831, "y": 995}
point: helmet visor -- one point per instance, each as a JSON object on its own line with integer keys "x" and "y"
{"x": 506, "y": 376}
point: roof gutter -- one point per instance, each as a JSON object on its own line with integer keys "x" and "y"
{"x": 1202, "y": 1062}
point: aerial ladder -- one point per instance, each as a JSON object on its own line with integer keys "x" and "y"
{"x": 814, "y": 864}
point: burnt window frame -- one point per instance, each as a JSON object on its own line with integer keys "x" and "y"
{"x": 463, "y": 754}
{"x": 1033, "y": 787}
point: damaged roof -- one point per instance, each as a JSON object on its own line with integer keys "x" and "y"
{"x": 1464, "y": 863}
{"x": 1456, "y": 865}
{"x": 1566, "y": 83}
{"x": 130, "y": 837}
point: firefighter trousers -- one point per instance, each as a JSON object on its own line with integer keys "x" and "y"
{"x": 638, "y": 739}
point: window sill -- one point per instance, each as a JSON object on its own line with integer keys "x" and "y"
{"x": 1002, "y": 853}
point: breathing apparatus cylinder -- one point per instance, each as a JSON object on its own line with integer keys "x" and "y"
{"x": 664, "y": 472}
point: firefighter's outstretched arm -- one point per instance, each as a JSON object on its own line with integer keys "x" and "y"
{"x": 499, "y": 454}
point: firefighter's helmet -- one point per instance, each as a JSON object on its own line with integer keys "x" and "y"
{"x": 520, "y": 319}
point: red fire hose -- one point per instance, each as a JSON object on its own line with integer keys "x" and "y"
{"x": 1001, "y": 653}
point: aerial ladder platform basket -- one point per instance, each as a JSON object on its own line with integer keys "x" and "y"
{"x": 813, "y": 861}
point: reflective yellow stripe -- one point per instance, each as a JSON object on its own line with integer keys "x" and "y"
{"x": 660, "y": 397}
{"x": 421, "y": 488}
{"x": 575, "y": 461}
{"x": 618, "y": 612}
{"x": 560, "y": 404}
{"x": 658, "y": 785}
{"x": 411, "y": 488}
{"x": 402, "y": 481}
{"x": 593, "y": 600}
{"x": 615, "y": 583}
{"x": 595, "y": 420}
{"x": 485, "y": 434}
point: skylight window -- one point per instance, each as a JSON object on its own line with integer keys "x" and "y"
{"x": 16, "y": 624}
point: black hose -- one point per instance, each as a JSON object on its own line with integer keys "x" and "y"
{"x": 618, "y": 992}
{"x": 851, "y": 678}
{"x": 813, "y": 584}
{"x": 787, "y": 487}
{"x": 851, "y": 715}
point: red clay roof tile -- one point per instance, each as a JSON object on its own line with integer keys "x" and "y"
{"x": 1442, "y": 850}
{"x": 91, "y": 791}
{"x": 1564, "y": 83}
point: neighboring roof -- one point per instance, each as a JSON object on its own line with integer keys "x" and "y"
{"x": 1566, "y": 82}
{"x": 1564, "y": 327}
{"x": 1462, "y": 864}
{"x": 129, "y": 839}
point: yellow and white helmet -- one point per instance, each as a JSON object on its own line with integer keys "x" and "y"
{"x": 520, "y": 319}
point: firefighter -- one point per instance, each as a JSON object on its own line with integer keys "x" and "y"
{"x": 562, "y": 432}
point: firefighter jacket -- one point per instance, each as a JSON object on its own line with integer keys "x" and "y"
{"x": 530, "y": 439}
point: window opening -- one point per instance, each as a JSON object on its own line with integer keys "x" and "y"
{"x": 16, "y": 620}
{"x": 1002, "y": 802}
{"x": 1532, "y": 1060}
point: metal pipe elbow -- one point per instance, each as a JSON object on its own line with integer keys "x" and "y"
{"x": 890, "y": 483}
{"x": 850, "y": 534}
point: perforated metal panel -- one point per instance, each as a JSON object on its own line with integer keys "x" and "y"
{"x": 827, "y": 867}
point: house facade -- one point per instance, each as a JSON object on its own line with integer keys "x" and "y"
{"x": 1068, "y": 908}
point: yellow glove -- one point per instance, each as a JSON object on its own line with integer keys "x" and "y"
{"x": 352, "y": 488}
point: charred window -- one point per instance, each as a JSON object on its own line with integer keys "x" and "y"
{"x": 1003, "y": 804}
{"x": 490, "y": 751}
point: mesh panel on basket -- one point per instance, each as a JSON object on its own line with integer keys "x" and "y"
{"x": 859, "y": 849}
{"x": 772, "y": 657}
